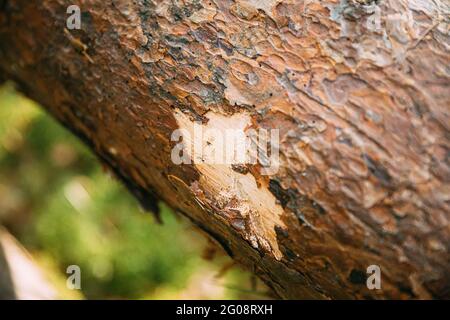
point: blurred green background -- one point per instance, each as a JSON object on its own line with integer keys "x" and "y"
{"x": 65, "y": 210}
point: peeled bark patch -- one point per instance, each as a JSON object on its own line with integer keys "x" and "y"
{"x": 359, "y": 91}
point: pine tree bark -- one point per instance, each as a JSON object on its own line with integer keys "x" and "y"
{"x": 359, "y": 90}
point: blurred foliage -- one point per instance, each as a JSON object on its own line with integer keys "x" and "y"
{"x": 62, "y": 207}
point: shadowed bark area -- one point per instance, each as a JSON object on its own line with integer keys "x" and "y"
{"x": 359, "y": 90}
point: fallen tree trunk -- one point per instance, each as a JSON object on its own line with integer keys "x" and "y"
{"x": 358, "y": 89}
{"x": 20, "y": 277}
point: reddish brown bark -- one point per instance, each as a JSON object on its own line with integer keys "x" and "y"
{"x": 363, "y": 113}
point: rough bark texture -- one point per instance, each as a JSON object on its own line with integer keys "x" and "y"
{"x": 363, "y": 113}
